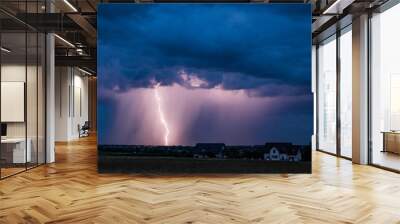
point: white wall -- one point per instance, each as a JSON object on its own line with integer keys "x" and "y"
{"x": 16, "y": 73}
{"x": 71, "y": 93}
{"x": 62, "y": 81}
{"x": 80, "y": 89}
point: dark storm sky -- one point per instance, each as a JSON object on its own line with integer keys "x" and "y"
{"x": 262, "y": 50}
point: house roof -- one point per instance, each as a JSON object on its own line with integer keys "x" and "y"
{"x": 282, "y": 147}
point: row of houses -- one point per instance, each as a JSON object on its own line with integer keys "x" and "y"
{"x": 269, "y": 151}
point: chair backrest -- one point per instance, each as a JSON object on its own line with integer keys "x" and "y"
{"x": 86, "y": 125}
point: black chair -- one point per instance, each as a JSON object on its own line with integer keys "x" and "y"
{"x": 84, "y": 130}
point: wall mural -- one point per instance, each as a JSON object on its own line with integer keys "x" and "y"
{"x": 204, "y": 88}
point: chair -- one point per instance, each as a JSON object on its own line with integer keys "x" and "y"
{"x": 84, "y": 130}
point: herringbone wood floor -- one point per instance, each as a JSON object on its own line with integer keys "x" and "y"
{"x": 71, "y": 191}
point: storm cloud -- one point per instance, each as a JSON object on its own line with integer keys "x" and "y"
{"x": 250, "y": 42}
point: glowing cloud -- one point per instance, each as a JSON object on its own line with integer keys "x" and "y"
{"x": 192, "y": 80}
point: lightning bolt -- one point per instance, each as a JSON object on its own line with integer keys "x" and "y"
{"x": 161, "y": 113}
